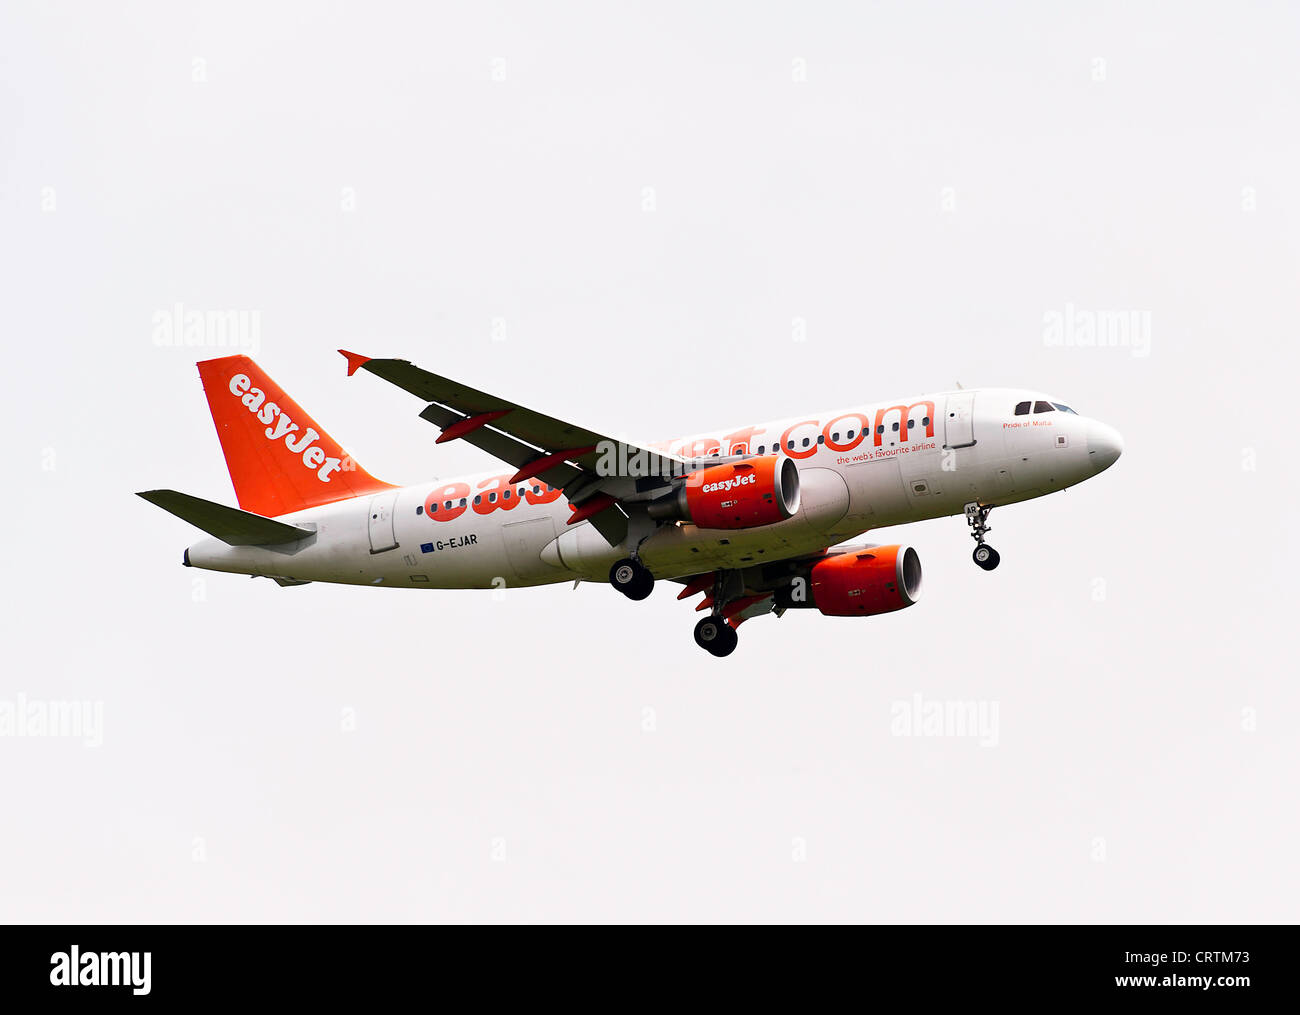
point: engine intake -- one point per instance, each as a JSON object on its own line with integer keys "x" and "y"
{"x": 738, "y": 495}
{"x": 859, "y": 583}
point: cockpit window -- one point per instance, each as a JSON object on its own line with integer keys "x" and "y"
{"x": 1022, "y": 408}
{"x": 1043, "y": 407}
{"x": 1065, "y": 408}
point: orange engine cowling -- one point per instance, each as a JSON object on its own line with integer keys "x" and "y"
{"x": 738, "y": 495}
{"x": 862, "y": 583}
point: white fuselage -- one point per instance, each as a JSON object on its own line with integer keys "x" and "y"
{"x": 920, "y": 458}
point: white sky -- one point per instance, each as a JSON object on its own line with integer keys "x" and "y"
{"x": 1137, "y": 638}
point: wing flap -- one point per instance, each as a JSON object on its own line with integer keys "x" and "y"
{"x": 501, "y": 445}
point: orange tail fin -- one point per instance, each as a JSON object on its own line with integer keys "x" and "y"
{"x": 280, "y": 459}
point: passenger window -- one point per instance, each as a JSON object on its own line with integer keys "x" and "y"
{"x": 447, "y": 505}
{"x": 836, "y": 436}
{"x": 492, "y": 498}
{"x": 880, "y": 428}
{"x": 1022, "y": 408}
{"x": 462, "y": 502}
{"x": 506, "y": 495}
{"x": 805, "y": 442}
{"x": 478, "y": 498}
{"x": 1043, "y": 407}
{"x": 894, "y": 427}
{"x": 821, "y": 438}
{"x": 762, "y": 448}
{"x": 850, "y": 435}
{"x": 419, "y": 509}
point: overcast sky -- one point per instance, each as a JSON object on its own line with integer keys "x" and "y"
{"x": 653, "y": 220}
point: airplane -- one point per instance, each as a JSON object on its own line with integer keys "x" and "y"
{"x": 755, "y": 519}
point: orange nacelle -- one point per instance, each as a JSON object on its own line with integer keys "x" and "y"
{"x": 742, "y": 495}
{"x": 866, "y": 582}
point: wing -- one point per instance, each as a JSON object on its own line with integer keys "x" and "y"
{"x": 591, "y": 468}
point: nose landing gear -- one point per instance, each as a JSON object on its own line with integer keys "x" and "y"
{"x": 977, "y": 515}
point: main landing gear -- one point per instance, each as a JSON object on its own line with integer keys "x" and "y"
{"x": 713, "y": 633}
{"x": 716, "y": 636}
{"x": 977, "y": 515}
{"x": 632, "y": 578}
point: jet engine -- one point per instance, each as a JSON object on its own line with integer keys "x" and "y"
{"x": 858, "y": 583}
{"x": 737, "y": 495}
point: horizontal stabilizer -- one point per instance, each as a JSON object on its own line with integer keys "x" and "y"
{"x": 230, "y": 525}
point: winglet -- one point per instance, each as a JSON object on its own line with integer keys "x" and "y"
{"x": 355, "y": 361}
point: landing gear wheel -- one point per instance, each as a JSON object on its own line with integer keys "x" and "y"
{"x": 716, "y": 636}
{"x": 977, "y": 517}
{"x": 632, "y": 578}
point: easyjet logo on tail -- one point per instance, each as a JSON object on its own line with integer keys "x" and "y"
{"x": 282, "y": 428}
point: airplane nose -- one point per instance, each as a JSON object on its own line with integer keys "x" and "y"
{"x": 1105, "y": 445}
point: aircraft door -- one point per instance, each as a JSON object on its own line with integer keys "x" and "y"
{"x": 959, "y": 420}
{"x": 383, "y": 535}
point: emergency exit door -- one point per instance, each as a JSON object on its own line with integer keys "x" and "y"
{"x": 959, "y": 420}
